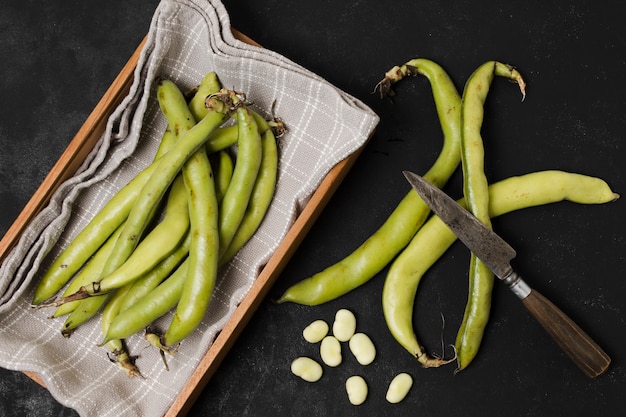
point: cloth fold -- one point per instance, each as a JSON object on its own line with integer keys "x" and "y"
{"x": 187, "y": 39}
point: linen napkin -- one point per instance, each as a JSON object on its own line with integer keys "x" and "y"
{"x": 187, "y": 39}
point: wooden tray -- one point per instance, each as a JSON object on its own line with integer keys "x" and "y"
{"x": 73, "y": 156}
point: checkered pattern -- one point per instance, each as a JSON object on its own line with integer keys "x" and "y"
{"x": 187, "y": 39}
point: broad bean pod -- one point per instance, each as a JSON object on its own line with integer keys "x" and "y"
{"x": 115, "y": 212}
{"x": 475, "y": 189}
{"x": 155, "y": 304}
{"x": 262, "y": 191}
{"x": 204, "y": 247}
{"x": 385, "y": 243}
{"x": 434, "y": 238}
{"x": 158, "y": 274}
{"x": 93, "y": 268}
{"x": 96, "y": 232}
{"x": 223, "y": 173}
{"x": 159, "y": 243}
{"x": 235, "y": 201}
{"x": 168, "y": 168}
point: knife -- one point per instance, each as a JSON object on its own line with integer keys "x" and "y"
{"x": 496, "y": 254}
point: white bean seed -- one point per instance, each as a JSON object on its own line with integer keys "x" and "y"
{"x": 362, "y": 348}
{"x": 399, "y": 388}
{"x": 315, "y": 331}
{"x": 344, "y": 325}
{"x": 330, "y": 351}
{"x": 307, "y": 369}
{"x": 356, "y": 387}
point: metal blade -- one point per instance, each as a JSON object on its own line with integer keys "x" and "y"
{"x": 490, "y": 248}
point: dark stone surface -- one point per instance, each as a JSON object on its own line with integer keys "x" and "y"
{"x": 59, "y": 58}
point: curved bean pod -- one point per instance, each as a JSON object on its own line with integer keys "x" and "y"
{"x": 97, "y": 231}
{"x": 155, "y": 304}
{"x": 475, "y": 189}
{"x": 151, "y": 280}
{"x": 160, "y": 242}
{"x": 168, "y": 167}
{"x": 434, "y": 238}
{"x": 203, "y": 248}
{"x": 383, "y": 245}
{"x": 262, "y": 192}
{"x": 235, "y": 201}
{"x": 93, "y": 268}
{"x": 223, "y": 174}
{"x": 209, "y": 84}
{"x": 109, "y": 218}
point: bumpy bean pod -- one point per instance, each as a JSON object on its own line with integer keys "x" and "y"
{"x": 144, "y": 312}
{"x": 159, "y": 243}
{"x": 475, "y": 189}
{"x": 92, "y": 269}
{"x": 210, "y": 84}
{"x": 262, "y": 192}
{"x": 141, "y": 287}
{"x": 383, "y": 245}
{"x": 434, "y": 238}
{"x": 168, "y": 168}
{"x": 233, "y": 205}
{"x": 203, "y": 249}
{"x": 223, "y": 173}
{"x": 97, "y": 231}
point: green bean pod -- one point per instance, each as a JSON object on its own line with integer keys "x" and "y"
{"x": 152, "y": 279}
{"x": 109, "y": 218}
{"x": 209, "y": 84}
{"x": 85, "y": 310}
{"x": 93, "y": 268}
{"x": 434, "y": 238}
{"x": 155, "y": 304}
{"x": 235, "y": 201}
{"x": 262, "y": 192}
{"x": 475, "y": 189}
{"x": 159, "y": 243}
{"x": 168, "y": 167}
{"x": 96, "y": 232}
{"x": 383, "y": 245}
{"x": 223, "y": 173}
{"x": 203, "y": 248}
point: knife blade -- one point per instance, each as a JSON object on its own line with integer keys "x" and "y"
{"x": 497, "y": 254}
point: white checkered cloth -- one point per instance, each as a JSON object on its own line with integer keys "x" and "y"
{"x": 187, "y": 39}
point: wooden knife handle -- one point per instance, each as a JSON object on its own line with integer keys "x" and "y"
{"x": 581, "y": 349}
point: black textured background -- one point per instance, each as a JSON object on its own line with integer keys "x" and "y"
{"x": 58, "y": 58}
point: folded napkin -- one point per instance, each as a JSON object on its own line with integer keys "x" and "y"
{"x": 187, "y": 39}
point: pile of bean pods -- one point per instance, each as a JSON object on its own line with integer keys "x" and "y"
{"x": 410, "y": 242}
{"x": 157, "y": 245}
